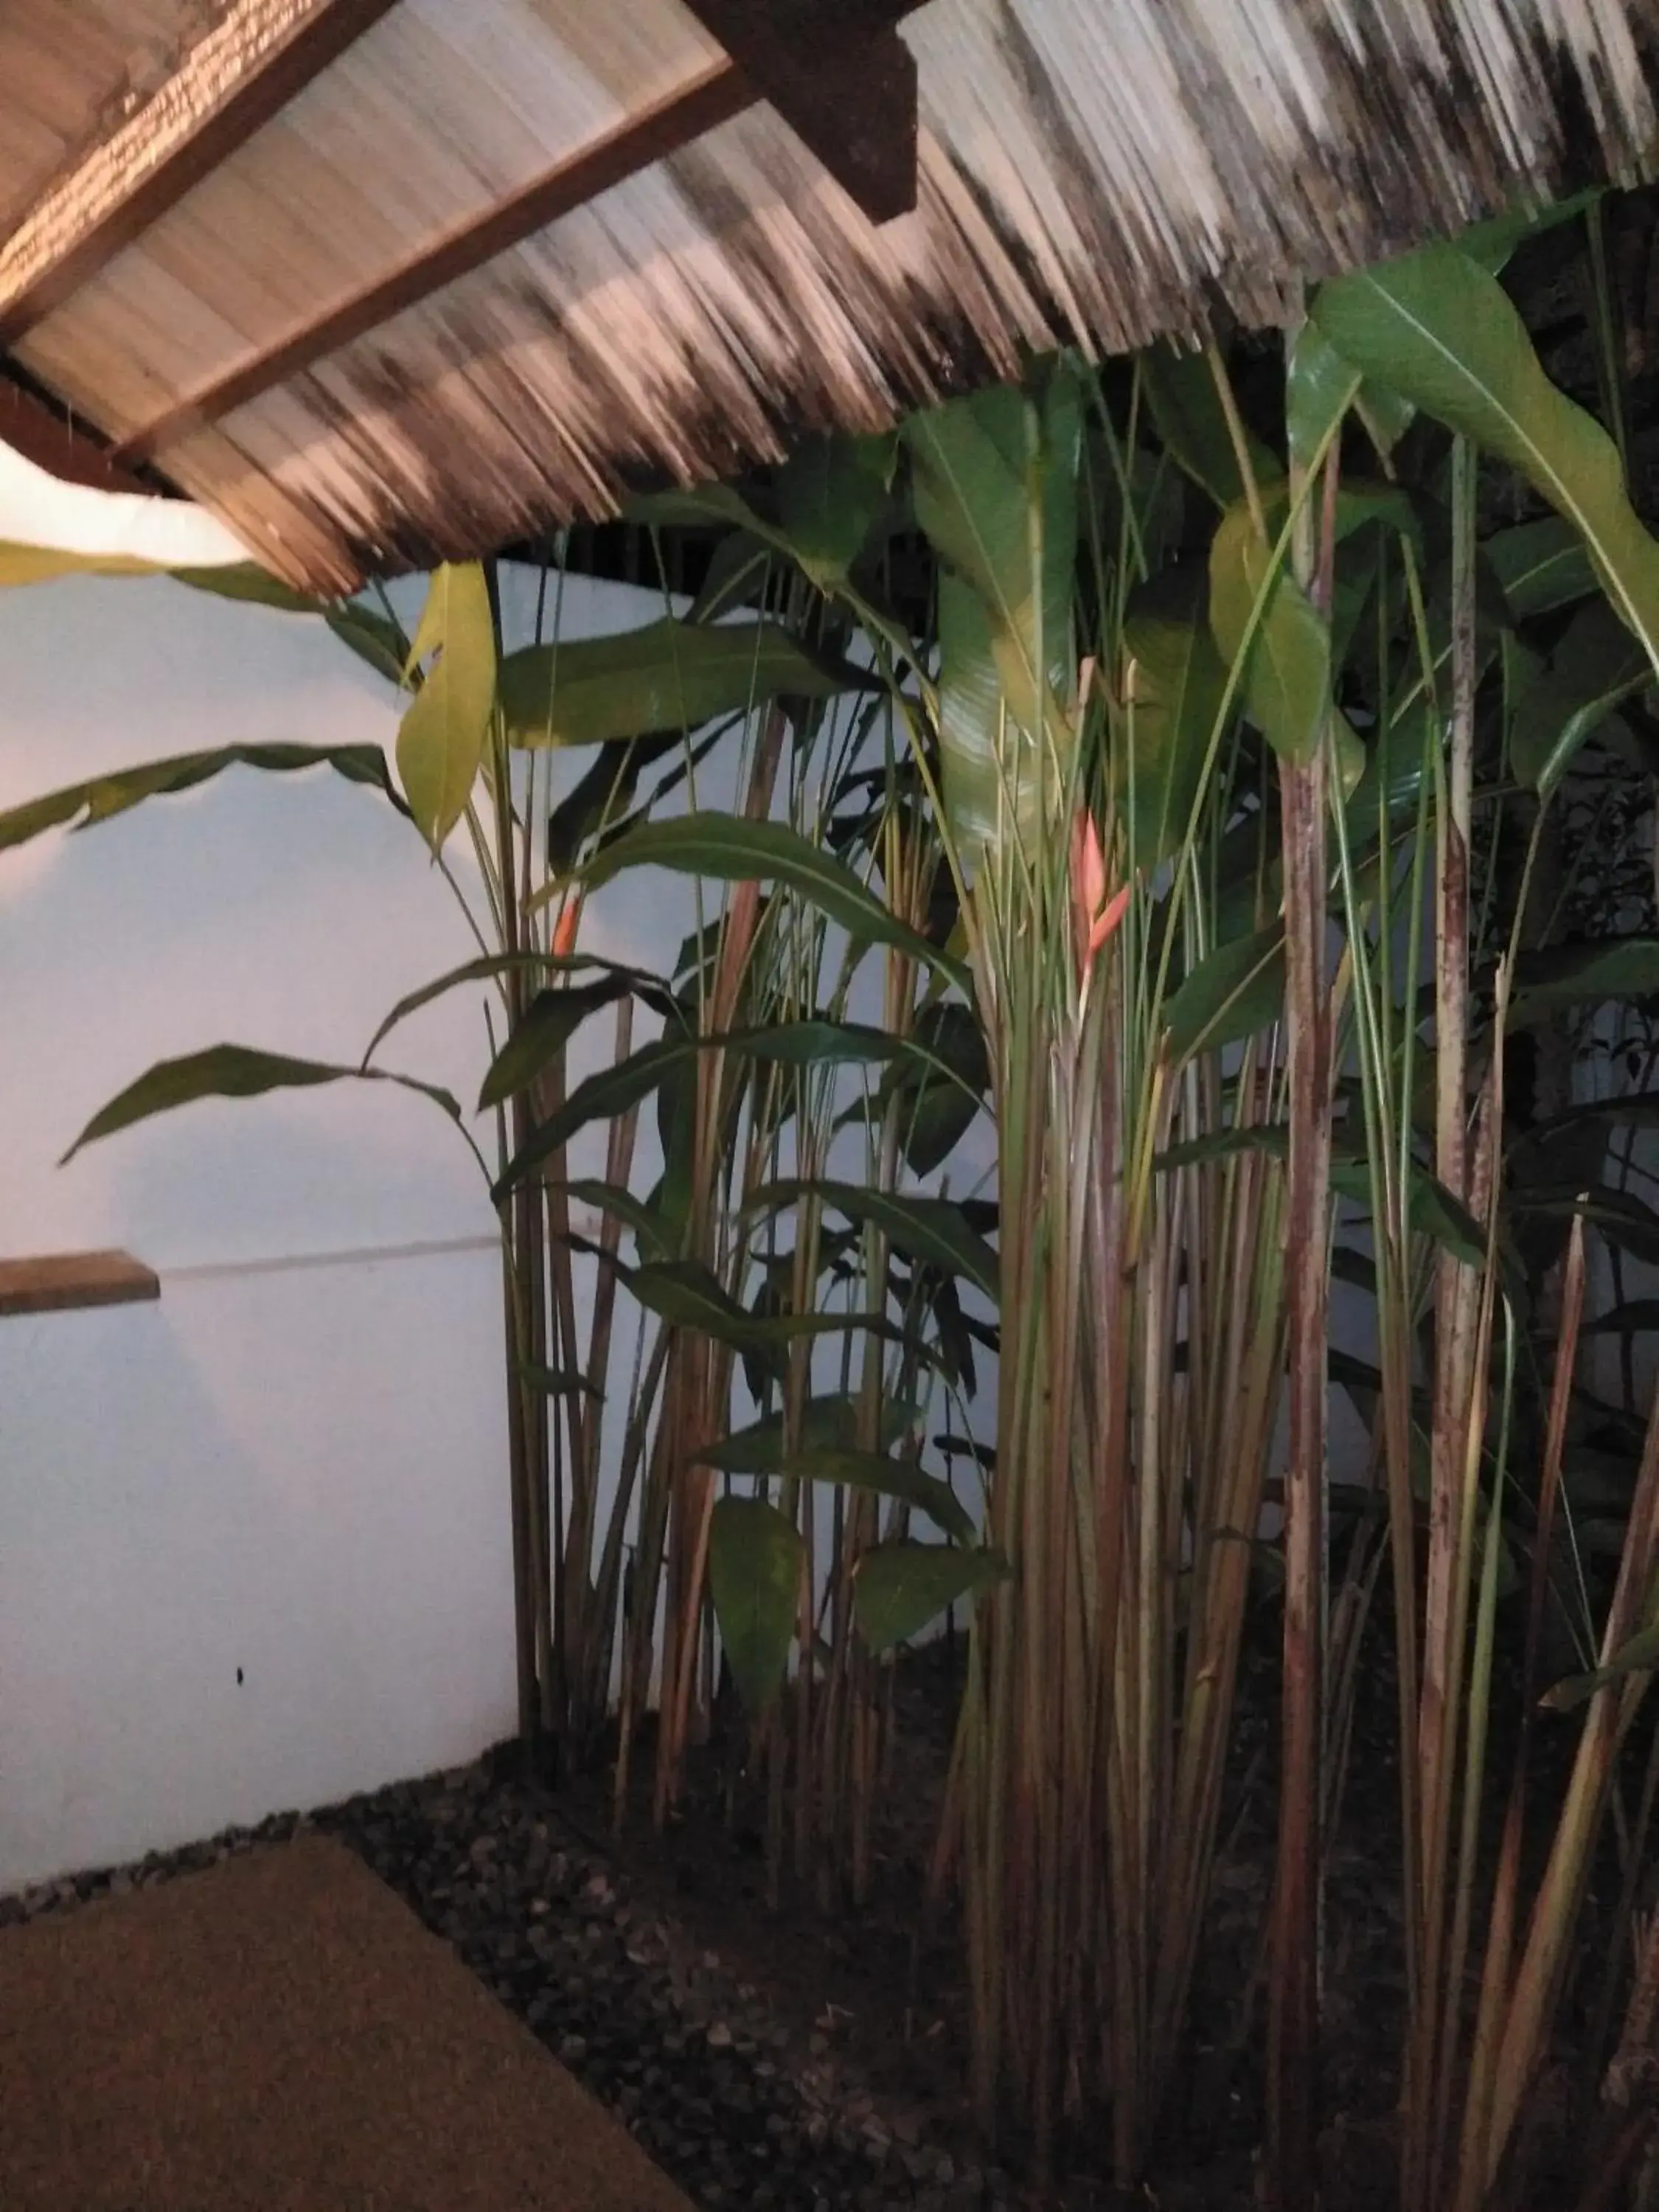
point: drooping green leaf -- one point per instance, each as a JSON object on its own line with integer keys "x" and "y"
{"x": 882, "y": 1477}
{"x": 934, "y": 1230}
{"x": 1640, "y": 1656}
{"x": 232, "y": 1071}
{"x": 1430, "y": 1208}
{"x": 612, "y": 1091}
{"x": 1540, "y": 566}
{"x": 686, "y": 1294}
{"x": 937, "y": 1092}
{"x": 1495, "y": 243}
{"x": 1173, "y": 684}
{"x": 900, "y": 1588}
{"x": 732, "y": 848}
{"x": 600, "y": 1096}
{"x": 441, "y": 740}
{"x": 102, "y": 798}
{"x": 669, "y": 675}
{"x": 736, "y": 577}
{"x": 560, "y": 1381}
{"x": 43, "y": 564}
{"x": 1627, "y": 1222}
{"x": 827, "y": 1424}
{"x": 1437, "y": 328}
{"x": 995, "y": 479}
{"x": 689, "y": 1295}
{"x": 489, "y": 967}
{"x": 1287, "y": 683}
{"x": 375, "y": 638}
{"x": 649, "y": 1229}
{"x": 550, "y": 1022}
{"x": 830, "y": 492}
{"x": 256, "y": 586}
{"x": 696, "y": 506}
{"x": 1235, "y": 991}
{"x": 756, "y": 1561}
{"x": 1320, "y": 387}
{"x": 1188, "y": 416}
{"x": 1596, "y": 667}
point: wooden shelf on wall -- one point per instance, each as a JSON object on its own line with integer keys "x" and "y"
{"x": 62, "y": 1282}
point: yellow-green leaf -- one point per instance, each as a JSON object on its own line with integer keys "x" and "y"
{"x": 441, "y": 740}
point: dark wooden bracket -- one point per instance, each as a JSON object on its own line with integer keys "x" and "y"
{"x": 49, "y": 439}
{"x": 840, "y": 76}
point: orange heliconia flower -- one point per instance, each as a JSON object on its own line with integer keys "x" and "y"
{"x": 564, "y": 930}
{"x": 1098, "y": 912}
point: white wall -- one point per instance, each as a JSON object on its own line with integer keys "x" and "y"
{"x": 295, "y": 1465}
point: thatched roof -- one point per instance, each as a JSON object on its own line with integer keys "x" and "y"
{"x": 382, "y": 281}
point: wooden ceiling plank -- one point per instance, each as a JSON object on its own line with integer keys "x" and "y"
{"x": 236, "y": 78}
{"x": 843, "y": 80}
{"x": 712, "y": 97}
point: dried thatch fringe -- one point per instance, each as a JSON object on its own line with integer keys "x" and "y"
{"x": 1094, "y": 172}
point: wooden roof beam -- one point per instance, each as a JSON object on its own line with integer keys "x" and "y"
{"x": 841, "y": 78}
{"x": 235, "y": 78}
{"x": 847, "y": 77}
{"x": 714, "y": 96}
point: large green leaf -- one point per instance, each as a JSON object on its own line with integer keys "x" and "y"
{"x": 936, "y": 1091}
{"x": 1596, "y": 667}
{"x": 669, "y": 675}
{"x": 1173, "y": 685}
{"x": 600, "y": 1096}
{"x": 612, "y": 1091}
{"x": 1540, "y": 566}
{"x": 689, "y": 1295}
{"x": 995, "y": 479}
{"x": 1287, "y": 680}
{"x": 103, "y": 797}
{"x": 375, "y": 638}
{"x": 232, "y": 1071}
{"x": 1626, "y": 1222}
{"x": 649, "y": 1229}
{"x": 1188, "y": 416}
{"x": 830, "y": 492}
{"x": 247, "y": 581}
{"x": 899, "y": 1478}
{"x": 1583, "y": 975}
{"x": 550, "y": 1022}
{"x": 934, "y": 1230}
{"x": 899, "y": 1588}
{"x": 756, "y": 1561}
{"x": 827, "y": 1424}
{"x": 1439, "y": 330}
{"x": 441, "y": 739}
{"x": 732, "y": 848}
{"x": 1233, "y": 992}
{"x": 489, "y": 967}
{"x": 1320, "y": 387}
{"x": 43, "y": 564}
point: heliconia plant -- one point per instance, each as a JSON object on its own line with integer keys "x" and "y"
{"x": 1168, "y": 828}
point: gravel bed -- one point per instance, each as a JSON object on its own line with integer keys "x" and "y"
{"x": 692, "y": 2061}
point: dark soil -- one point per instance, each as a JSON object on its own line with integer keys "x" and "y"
{"x": 805, "y": 2055}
